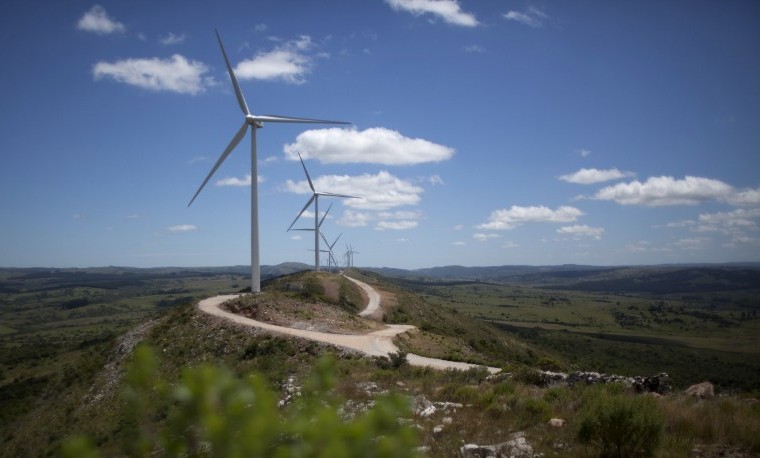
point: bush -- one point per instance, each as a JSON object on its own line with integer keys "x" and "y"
{"x": 211, "y": 412}
{"x": 619, "y": 424}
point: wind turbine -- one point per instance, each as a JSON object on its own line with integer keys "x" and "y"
{"x": 331, "y": 259}
{"x": 350, "y": 255}
{"x": 254, "y": 122}
{"x": 315, "y": 198}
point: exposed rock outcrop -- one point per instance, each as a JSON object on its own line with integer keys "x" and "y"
{"x": 704, "y": 390}
{"x": 515, "y": 447}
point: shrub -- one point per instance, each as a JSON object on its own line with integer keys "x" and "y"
{"x": 211, "y": 412}
{"x": 620, "y": 425}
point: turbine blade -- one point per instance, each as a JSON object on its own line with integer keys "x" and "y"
{"x": 332, "y": 194}
{"x": 325, "y": 240}
{"x": 336, "y": 241}
{"x": 278, "y": 118}
{"x": 238, "y": 92}
{"x": 302, "y": 210}
{"x": 311, "y": 185}
{"x": 324, "y": 216}
{"x": 235, "y": 140}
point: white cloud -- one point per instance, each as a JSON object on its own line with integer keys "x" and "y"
{"x": 396, "y": 225}
{"x": 748, "y": 197}
{"x": 591, "y": 176}
{"x": 353, "y": 218}
{"x": 459, "y": 243}
{"x": 458, "y": 227}
{"x": 435, "y": 180}
{"x": 235, "y": 181}
{"x": 176, "y": 74}
{"x": 172, "y": 39}
{"x": 96, "y": 20}
{"x": 728, "y": 221}
{"x": 665, "y": 190}
{"x": 182, "y": 228}
{"x": 260, "y": 27}
{"x": 510, "y": 244}
{"x": 483, "y": 237}
{"x": 379, "y": 192}
{"x": 584, "y": 152}
{"x": 691, "y": 243}
{"x": 295, "y": 237}
{"x": 448, "y": 10}
{"x": 376, "y": 145}
{"x": 517, "y": 215}
{"x": 582, "y": 230}
{"x": 643, "y": 246}
{"x": 474, "y": 49}
{"x": 288, "y": 62}
{"x": 532, "y": 17}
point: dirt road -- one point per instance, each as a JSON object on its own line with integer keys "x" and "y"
{"x": 378, "y": 343}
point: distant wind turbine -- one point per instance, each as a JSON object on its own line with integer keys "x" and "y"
{"x": 254, "y": 122}
{"x": 317, "y": 223}
{"x": 350, "y": 255}
{"x": 331, "y": 260}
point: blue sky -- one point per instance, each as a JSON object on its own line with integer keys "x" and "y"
{"x": 483, "y": 133}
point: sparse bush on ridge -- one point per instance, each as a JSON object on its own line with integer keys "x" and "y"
{"x": 620, "y": 424}
{"x": 211, "y": 412}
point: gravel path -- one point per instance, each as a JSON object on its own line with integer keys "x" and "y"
{"x": 378, "y": 343}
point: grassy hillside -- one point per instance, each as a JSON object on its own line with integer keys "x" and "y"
{"x": 77, "y": 387}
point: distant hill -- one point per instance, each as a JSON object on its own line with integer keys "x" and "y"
{"x": 664, "y": 279}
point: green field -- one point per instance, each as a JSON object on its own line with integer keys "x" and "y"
{"x": 712, "y": 335}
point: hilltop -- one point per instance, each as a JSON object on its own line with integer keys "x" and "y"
{"x": 69, "y": 341}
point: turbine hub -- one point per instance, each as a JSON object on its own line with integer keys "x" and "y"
{"x": 252, "y": 121}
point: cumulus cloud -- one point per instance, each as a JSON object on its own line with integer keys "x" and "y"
{"x": 448, "y": 10}
{"x": 591, "y": 176}
{"x": 666, "y": 190}
{"x": 235, "y": 181}
{"x": 578, "y": 230}
{"x": 288, "y": 62}
{"x": 176, "y": 74}
{"x": 740, "y": 225}
{"x": 182, "y": 228}
{"x": 395, "y": 225}
{"x": 172, "y": 39}
{"x": 379, "y": 192}
{"x": 748, "y": 197}
{"x": 517, "y": 215}
{"x": 532, "y": 17}
{"x": 96, "y": 20}
{"x": 483, "y": 237}
{"x": 376, "y": 145}
{"x": 474, "y": 49}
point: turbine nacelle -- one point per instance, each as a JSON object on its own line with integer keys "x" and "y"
{"x": 252, "y": 121}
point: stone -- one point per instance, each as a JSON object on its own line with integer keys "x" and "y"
{"x": 704, "y": 390}
{"x": 515, "y": 447}
{"x": 558, "y": 422}
{"x": 438, "y": 430}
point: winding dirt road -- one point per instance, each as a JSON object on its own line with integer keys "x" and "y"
{"x": 378, "y": 343}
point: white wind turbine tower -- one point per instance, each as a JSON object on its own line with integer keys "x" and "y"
{"x": 317, "y": 223}
{"x": 254, "y": 122}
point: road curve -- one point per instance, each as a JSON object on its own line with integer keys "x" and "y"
{"x": 374, "y": 297}
{"x": 378, "y": 343}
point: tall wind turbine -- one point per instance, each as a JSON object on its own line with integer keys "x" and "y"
{"x": 315, "y": 198}
{"x": 254, "y": 122}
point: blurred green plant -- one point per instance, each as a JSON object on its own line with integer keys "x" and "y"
{"x": 212, "y": 412}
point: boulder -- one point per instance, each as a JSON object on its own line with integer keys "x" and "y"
{"x": 558, "y": 422}
{"x": 516, "y": 446}
{"x": 704, "y": 390}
